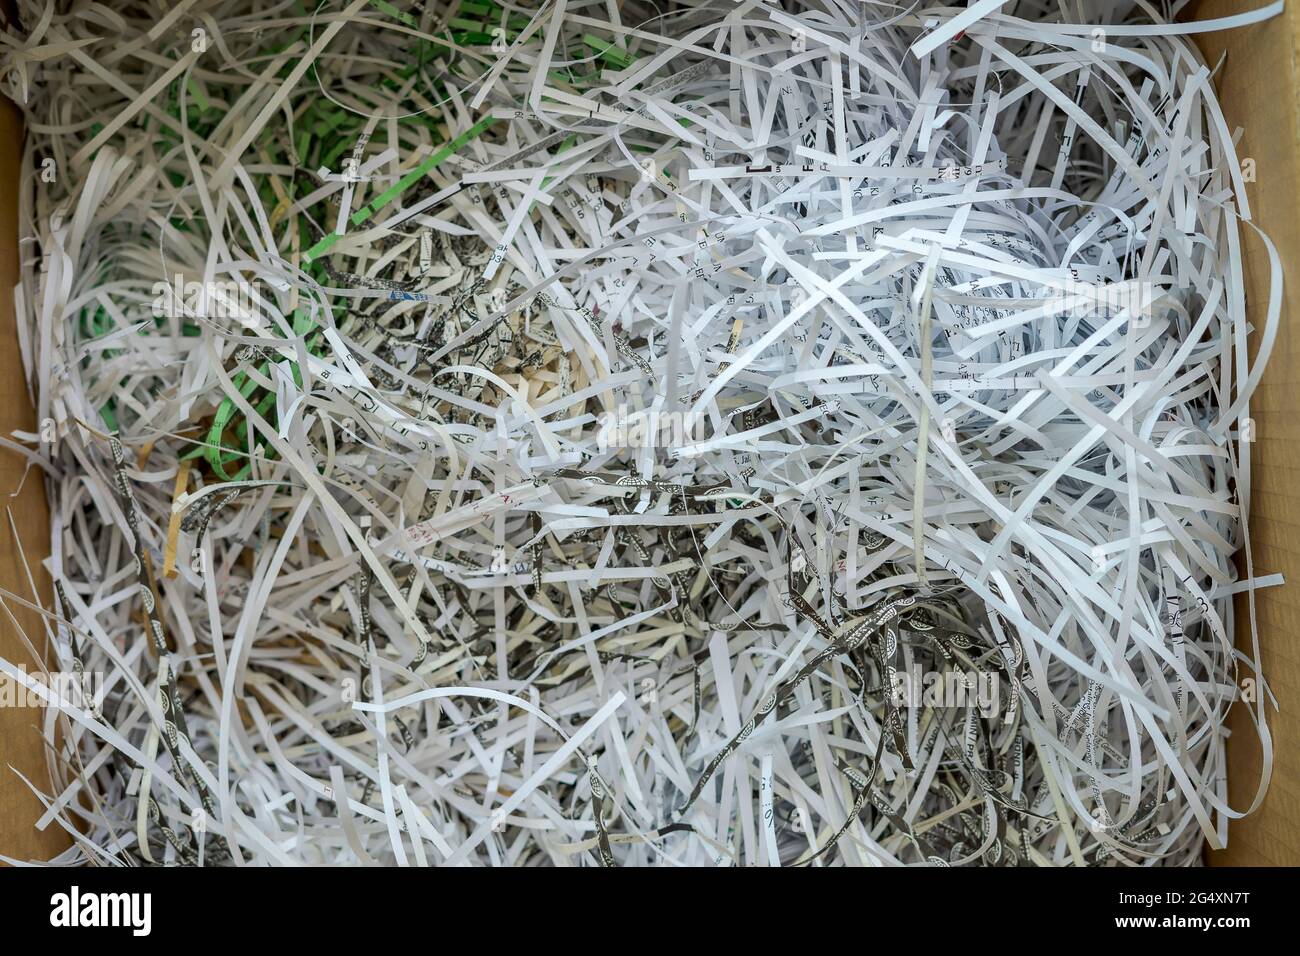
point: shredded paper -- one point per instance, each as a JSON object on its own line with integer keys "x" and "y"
{"x": 637, "y": 433}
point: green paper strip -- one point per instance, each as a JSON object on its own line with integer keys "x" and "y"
{"x": 411, "y": 178}
{"x": 196, "y": 91}
{"x": 392, "y": 11}
{"x": 615, "y": 56}
{"x": 403, "y": 184}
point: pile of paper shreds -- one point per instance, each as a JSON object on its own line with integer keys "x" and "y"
{"x": 755, "y": 433}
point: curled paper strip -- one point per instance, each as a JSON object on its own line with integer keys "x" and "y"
{"x": 796, "y": 433}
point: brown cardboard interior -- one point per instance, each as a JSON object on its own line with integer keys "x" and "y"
{"x": 1260, "y": 92}
{"x": 1259, "y": 89}
{"x": 20, "y": 738}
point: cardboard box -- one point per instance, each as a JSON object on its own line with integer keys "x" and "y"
{"x": 1259, "y": 87}
{"x": 25, "y": 514}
